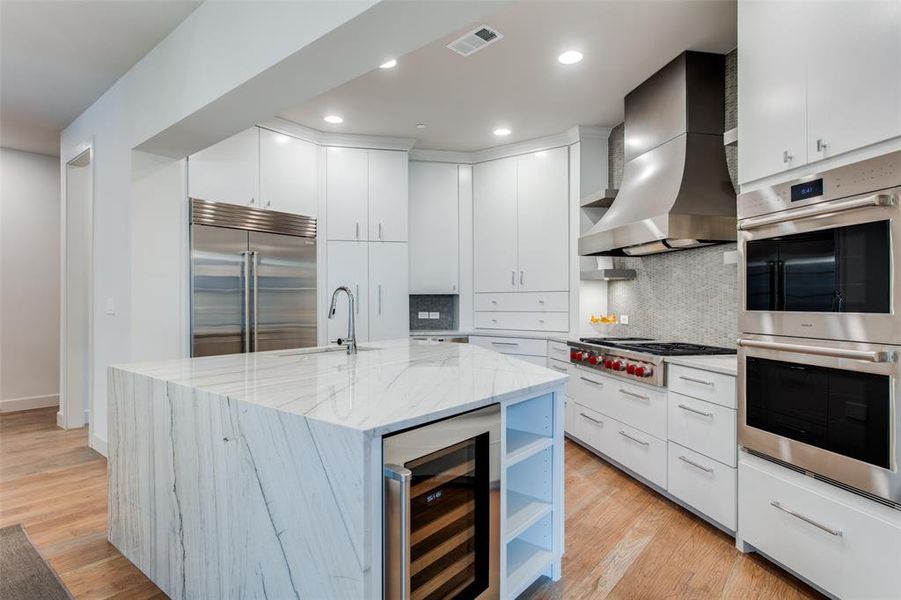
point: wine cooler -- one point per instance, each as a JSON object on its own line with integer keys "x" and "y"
{"x": 441, "y": 506}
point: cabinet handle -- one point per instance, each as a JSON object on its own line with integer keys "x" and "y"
{"x": 380, "y": 231}
{"x": 513, "y": 277}
{"x": 829, "y": 530}
{"x": 494, "y": 301}
{"x": 540, "y": 301}
{"x": 521, "y": 278}
{"x": 597, "y": 383}
{"x": 634, "y": 395}
{"x": 634, "y": 439}
{"x": 357, "y": 234}
{"x": 695, "y": 411}
{"x": 268, "y": 203}
{"x": 688, "y": 461}
{"x": 380, "y": 298}
{"x": 252, "y": 201}
{"x": 561, "y": 369}
{"x": 514, "y": 344}
{"x": 786, "y": 157}
{"x": 693, "y": 380}
{"x": 821, "y": 145}
{"x": 592, "y": 419}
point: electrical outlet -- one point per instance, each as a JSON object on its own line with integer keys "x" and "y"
{"x": 624, "y": 319}
{"x": 434, "y": 315}
{"x": 423, "y": 315}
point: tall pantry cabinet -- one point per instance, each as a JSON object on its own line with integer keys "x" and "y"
{"x": 366, "y": 227}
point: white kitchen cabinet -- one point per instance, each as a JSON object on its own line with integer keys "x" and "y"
{"x": 434, "y": 228}
{"x": 494, "y": 226}
{"x": 388, "y": 196}
{"x": 228, "y": 171}
{"x": 348, "y": 264}
{"x": 389, "y": 291}
{"x": 347, "y": 193}
{"x": 853, "y": 75}
{"x": 288, "y": 174}
{"x": 543, "y": 220}
{"x": 772, "y": 125}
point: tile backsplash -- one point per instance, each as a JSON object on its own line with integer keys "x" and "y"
{"x": 685, "y": 296}
{"x": 444, "y": 305}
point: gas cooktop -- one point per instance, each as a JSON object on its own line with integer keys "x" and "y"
{"x": 659, "y": 348}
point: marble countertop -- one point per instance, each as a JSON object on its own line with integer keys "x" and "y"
{"x": 394, "y": 385}
{"x": 726, "y": 364}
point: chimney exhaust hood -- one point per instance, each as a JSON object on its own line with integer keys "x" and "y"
{"x": 676, "y": 192}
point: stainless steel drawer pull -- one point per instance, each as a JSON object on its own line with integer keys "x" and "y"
{"x": 695, "y": 411}
{"x": 634, "y": 439}
{"x": 816, "y": 210}
{"x": 598, "y": 383}
{"x": 561, "y": 369}
{"x": 874, "y": 356}
{"x": 592, "y": 419}
{"x": 829, "y": 530}
{"x": 688, "y": 461}
{"x": 693, "y": 380}
{"x": 514, "y": 344}
{"x": 634, "y": 395}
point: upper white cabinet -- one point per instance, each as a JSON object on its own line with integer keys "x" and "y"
{"x": 347, "y": 191}
{"x": 388, "y": 197}
{"x": 389, "y": 291}
{"x": 543, "y": 221}
{"x": 288, "y": 174}
{"x": 494, "y": 225}
{"x": 815, "y": 79}
{"x": 434, "y": 228}
{"x": 366, "y": 194}
{"x": 228, "y": 171}
{"x": 521, "y": 223}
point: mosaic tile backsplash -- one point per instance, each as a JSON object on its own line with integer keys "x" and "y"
{"x": 685, "y": 296}
{"x": 444, "y": 305}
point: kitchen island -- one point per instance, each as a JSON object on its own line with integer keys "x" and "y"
{"x": 260, "y": 475}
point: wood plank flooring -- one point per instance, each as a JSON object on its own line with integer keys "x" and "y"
{"x": 623, "y": 540}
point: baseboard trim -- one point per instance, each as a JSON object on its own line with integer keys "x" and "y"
{"x": 17, "y": 404}
{"x": 99, "y": 444}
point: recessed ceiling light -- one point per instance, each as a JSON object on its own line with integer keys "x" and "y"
{"x": 334, "y": 119}
{"x": 420, "y": 126}
{"x": 501, "y": 131}
{"x": 570, "y": 57}
{"x": 389, "y": 64}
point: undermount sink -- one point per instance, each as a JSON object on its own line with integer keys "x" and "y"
{"x": 323, "y": 350}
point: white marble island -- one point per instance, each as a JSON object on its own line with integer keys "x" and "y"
{"x": 260, "y": 475}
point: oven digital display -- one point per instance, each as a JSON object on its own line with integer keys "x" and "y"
{"x": 806, "y": 190}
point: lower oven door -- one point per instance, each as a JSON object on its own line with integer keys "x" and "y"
{"x": 441, "y": 505}
{"x": 827, "y": 407}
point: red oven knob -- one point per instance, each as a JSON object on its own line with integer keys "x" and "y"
{"x": 617, "y": 366}
{"x": 630, "y": 369}
{"x": 640, "y": 371}
{"x": 608, "y": 363}
{"x": 593, "y": 359}
{"x": 575, "y": 355}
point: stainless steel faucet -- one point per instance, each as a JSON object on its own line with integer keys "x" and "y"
{"x": 351, "y": 340}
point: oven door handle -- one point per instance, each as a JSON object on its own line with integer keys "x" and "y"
{"x": 873, "y": 356}
{"x": 817, "y": 210}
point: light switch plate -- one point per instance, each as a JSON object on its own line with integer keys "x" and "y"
{"x": 624, "y": 319}
{"x": 434, "y": 315}
{"x": 423, "y": 315}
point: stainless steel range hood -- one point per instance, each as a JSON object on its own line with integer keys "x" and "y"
{"x": 676, "y": 192}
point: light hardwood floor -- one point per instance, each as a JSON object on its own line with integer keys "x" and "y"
{"x": 622, "y": 541}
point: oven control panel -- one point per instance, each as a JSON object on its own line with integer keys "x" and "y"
{"x": 614, "y": 364}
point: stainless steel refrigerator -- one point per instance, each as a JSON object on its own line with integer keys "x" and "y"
{"x": 253, "y": 279}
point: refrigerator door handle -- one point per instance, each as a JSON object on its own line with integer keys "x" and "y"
{"x": 245, "y": 275}
{"x": 256, "y": 295}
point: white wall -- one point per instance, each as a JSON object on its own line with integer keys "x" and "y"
{"x": 29, "y": 280}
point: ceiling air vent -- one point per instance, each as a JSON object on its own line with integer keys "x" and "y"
{"x": 475, "y": 40}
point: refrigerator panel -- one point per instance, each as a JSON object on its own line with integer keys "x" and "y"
{"x": 284, "y": 304}
{"x": 217, "y": 281}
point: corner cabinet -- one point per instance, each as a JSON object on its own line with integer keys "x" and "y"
{"x": 815, "y": 80}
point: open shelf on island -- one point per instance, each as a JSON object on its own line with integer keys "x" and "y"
{"x": 525, "y": 562}
{"x": 522, "y": 444}
{"x": 523, "y": 511}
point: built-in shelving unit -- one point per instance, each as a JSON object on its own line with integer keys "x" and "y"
{"x": 532, "y": 508}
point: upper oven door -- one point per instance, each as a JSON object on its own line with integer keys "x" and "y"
{"x": 827, "y": 407}
{"x": 825, "y": 270}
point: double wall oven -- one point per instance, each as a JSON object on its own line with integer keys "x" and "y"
{"x": 820, "y": 322}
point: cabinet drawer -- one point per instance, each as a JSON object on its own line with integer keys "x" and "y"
{"x": 564, "y": 368}
{"x": 637, "y": 406}
{"x": 588, "y": 387}
{"x": 636, "y": 450}
{"x": 510, "y": 345}
{"x": 705, "y": 385}
{"x": 591, "y": 427}
{"x": 524, "y": 321}
{"x": 523, "y": 301}
{"x": 702, "y": 426}
{"x": 846, "y": 544}
{"x": 558, "y": 351}
{"x": 703, "y": 483}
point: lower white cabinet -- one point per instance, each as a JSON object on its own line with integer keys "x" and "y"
{"x": 706, "y": 427}
{"x": 846, "y": 544}
{"x": 703, "y": 483}
{"x": 523, "y": 301}
{"x": 511, "y": 345}
{"x": 348, "y": 264}
{"x": 389, "y": 291}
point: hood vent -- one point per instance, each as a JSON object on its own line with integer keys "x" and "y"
{"x": 475, "y": 40}
{"x": 676, "y": 192}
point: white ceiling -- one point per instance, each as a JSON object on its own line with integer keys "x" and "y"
{"x": 57, "y": 57}
{"x": 517, "y": 81}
